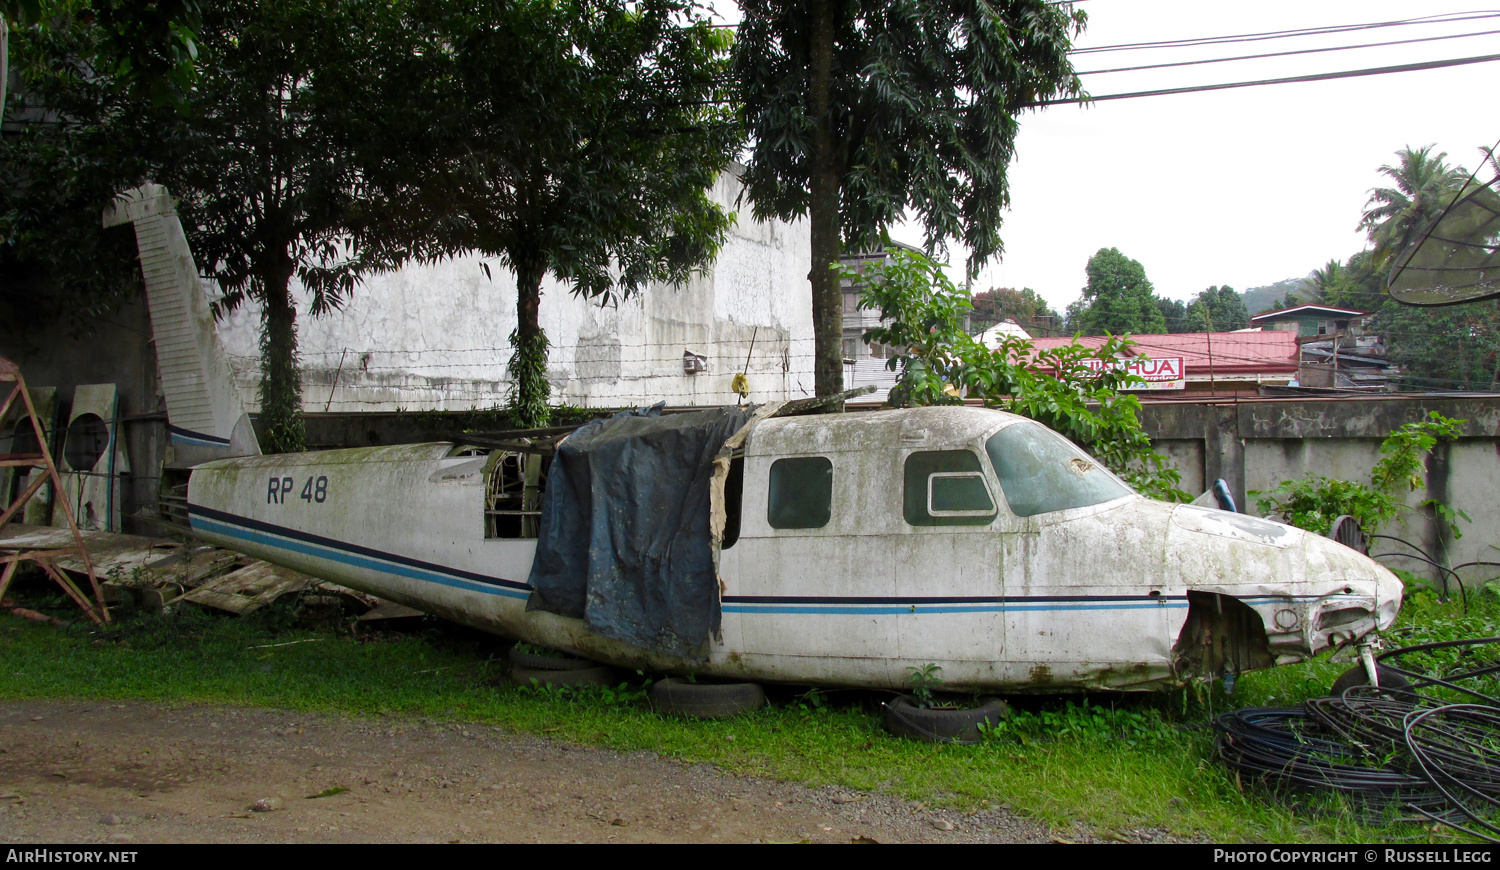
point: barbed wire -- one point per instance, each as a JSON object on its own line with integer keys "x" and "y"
{"x": 250, "y": 361}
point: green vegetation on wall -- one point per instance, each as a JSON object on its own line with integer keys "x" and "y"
{"x": 1313, "y": 503}
{"x": 922, "y": 313}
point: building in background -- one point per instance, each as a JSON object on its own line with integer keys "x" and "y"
{"x": 1198, "y": 364}
{"x": 1335, "y": 353}
{"x": 1308, "y": 320}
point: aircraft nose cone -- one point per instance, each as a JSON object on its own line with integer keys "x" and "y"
{"x": 1361, "y": 575}
{"x": 1388, "y": 592}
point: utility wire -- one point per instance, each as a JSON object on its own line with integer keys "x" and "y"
{"x": 1094, "y": 72}
{"x": 1316, "y": 77}
{"x": 1190, "y": 89}
{"x": 1445, "y": 18}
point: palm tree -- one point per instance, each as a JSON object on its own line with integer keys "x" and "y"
{"x": 1316, "y": 286}
{"x": 1424, "y": 187}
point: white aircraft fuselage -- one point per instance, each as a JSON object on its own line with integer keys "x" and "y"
{"x": 867, "y": 544}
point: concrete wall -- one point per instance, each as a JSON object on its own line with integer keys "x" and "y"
{"x": 436, "y": 337}
{"x": 1258, "y": 444}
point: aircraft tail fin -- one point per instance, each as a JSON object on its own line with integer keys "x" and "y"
{"x": 206, "y": 418}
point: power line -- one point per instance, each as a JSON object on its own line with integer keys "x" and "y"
{"x": 1316, "y": 77}
{"x": 1444, "y": 18}
{"x": 1189, "y": 89}
{"x": 1094, "y": 72}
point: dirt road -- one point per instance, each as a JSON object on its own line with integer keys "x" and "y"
{"x": 144, "y": 773}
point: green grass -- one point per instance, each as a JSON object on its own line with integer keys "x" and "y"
{"x": 1111, "y": 762}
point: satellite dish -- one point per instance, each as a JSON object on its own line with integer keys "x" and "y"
{"x": 1456, "y": 258}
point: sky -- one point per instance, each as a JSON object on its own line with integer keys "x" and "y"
{"x": 1242, "y": 187}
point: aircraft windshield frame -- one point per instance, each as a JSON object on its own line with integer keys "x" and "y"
{"x": 1041, "y": 472}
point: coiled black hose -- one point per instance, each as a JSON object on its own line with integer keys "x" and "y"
{"x": 1385, "y": 748}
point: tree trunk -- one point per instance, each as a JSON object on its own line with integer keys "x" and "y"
{"x": 529, "y": 389}
{"x": 4, "y": 64}
{"x": 280, "y": 378}
{"x": 823, "y": 214}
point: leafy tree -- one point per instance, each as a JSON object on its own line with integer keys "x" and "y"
{"x": 1317, "y": 286}
{"x": 1455, "y": 347}
{"x": 1026, "y": 307}
{"x": 74, "y": 142}
{"x": 1174, "y": 314}
{"x": 859, "y": 111}
{"x": 66, "y": 154}
{"x": 1232, "y": 313}
{"x": 258, "y": 150}
{"x": 1073, "y": 315}
{"x": 1118, "y": 298}
{"x": 922, "y": 312}
{"x": 1217, "y": 309}
{"x": 145, "y": 44}
{"x": 1454, "y": 258}
{"x": 1425, "y": 184}
{"x": 1448, "y": 348}
{"x": 1358, "y": 283}
{"x": 269, "y": 177}
{"x": 577, "y": 138}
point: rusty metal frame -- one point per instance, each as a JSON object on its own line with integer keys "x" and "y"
{"x": 44, "y": 559}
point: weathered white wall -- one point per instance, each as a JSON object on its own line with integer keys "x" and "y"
{"x": 437, "y": 337}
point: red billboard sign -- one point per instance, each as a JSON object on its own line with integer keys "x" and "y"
{"x": 1158, "y": 374}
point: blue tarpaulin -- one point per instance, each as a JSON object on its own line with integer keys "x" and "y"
{"x": 624, "y": 542}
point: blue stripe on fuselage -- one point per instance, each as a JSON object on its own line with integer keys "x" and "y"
{"x": 188, "y": 436}
{"x": 280, "y": 537}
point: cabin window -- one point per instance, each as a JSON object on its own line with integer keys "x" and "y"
{"x": 1041, "y": 471}
{"x": 947, "y": 488}
{"x": 513, "y": 488}
{"x": 801, "y": 493}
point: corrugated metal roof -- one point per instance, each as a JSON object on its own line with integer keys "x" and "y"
{"x": 1269, "y": 352}
{"x": 866, "y": 372}
{"x": 1309, "y": 310}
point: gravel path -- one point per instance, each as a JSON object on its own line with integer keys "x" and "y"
{"x": 147, "y": 773}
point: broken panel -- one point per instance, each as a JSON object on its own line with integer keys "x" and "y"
{"x": 1222, "y": 635}
{"x": 513, "y": 488}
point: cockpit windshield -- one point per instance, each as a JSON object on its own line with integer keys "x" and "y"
{"x": 1040, "y": 471}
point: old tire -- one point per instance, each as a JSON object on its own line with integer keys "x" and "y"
{"x": 561, "y": 662}
{"x": 598, "y": 675}
{"x": 706, "y": 700}
{"x": 1391, "y": 682}
{"x": 905, "y": 718}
